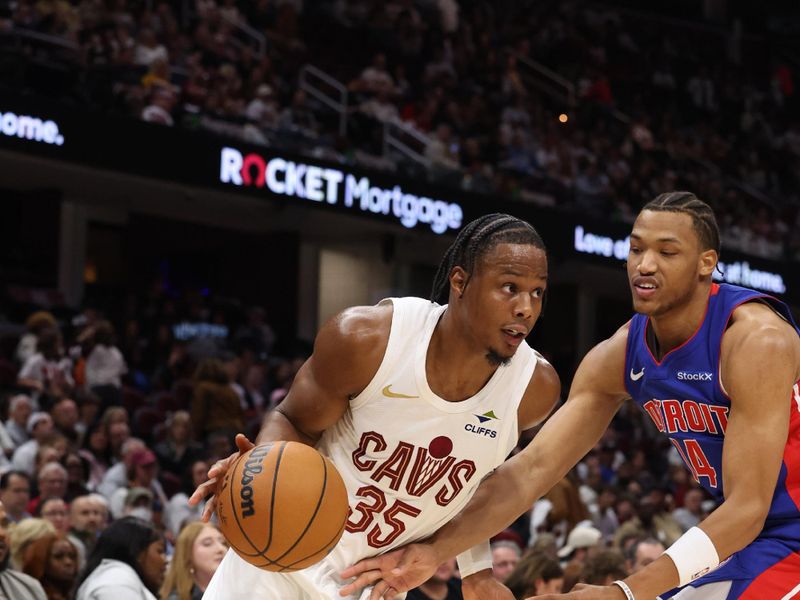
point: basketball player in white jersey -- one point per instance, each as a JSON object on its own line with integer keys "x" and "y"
{"x": 415, "y": 403}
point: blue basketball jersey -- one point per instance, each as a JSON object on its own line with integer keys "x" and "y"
{"x": 685, "y": 397}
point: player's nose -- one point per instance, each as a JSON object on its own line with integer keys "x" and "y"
{"x": 524, "y": 307}
{"x": 647, "y": 265}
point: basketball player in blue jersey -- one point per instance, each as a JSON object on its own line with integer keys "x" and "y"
{"x": 716, "y": 367}
{"x": 415, "y": 402}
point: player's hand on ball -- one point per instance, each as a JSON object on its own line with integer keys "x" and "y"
{"x": 393, "y": 572}
{"x": 483, "y": 586}
{"x": 215, "y": 476}
{"x": 586, "y": 592}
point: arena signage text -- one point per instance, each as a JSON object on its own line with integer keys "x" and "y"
{"x": 336, "y": 187}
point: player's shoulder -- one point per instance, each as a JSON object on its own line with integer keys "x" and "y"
{"x": 358, "y": 326}
{"x": 755, "y": 327}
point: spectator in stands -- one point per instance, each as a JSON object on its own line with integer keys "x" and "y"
{"x": 40, "y": 428}
{"x": 7, "y": 447}
{"x": 263, "y": 108}
{"x": 15, "y": 493}
{"x": 129, "y": 558}
{"x": 142, "y": 472}
{"x": 78, "y": 473}
{"x": 604, "y": 567}
{"x": 53, "y": 561}
{"x": 19, "y": 410}
{"x": 51, "y": 481}
{"x": 284, "y": 374}
{"x": 603, "y": 515}
{"x": 374, "y": 78}
{"x": 298, "y": 116}
{"x": 88, "y": 516}
{"x": 117, "y": 476}
{"x": 559, "y": 511}
{"x": 652, "y": 520}
{"x": 178, "y": 512}
{"x": 34, "y": 325}
{"x": 116, "y": 421}
{"x": 55, "y": 511}
{"x": 24, "y": 533}
{"x": 198, "y": 551}
{"x": 691, "y": 513}
{"x": 536, "y": 573}
{"x": 442, "y": 150}
{"x": 253, "y": 392}
{"x": 505, "y": 556}
{"x": 159, "y": 109}
{"x": 65, "y": 419}
{"x": 581, "y": 544}
{"x": 105, "y": 364}
{"x": 15, "y": 585}
{"x": 96, "y": 452}
{"x": 148, "y": 49}
{"x": 444, "y": 585}
{"x": 178, "y": 451}
{"x": 215, "y": 406}
{"x": 380, "y": 107}
{"x": 48, "y": 371}
{"x": 642, "y": 552}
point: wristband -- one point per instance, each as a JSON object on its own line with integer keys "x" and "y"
{"x": 625, "y": 589}
{"x": 694, "y": 555}
{"x": 475, "y": 559}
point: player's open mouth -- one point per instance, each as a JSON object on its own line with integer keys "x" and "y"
{"x": 644, "y": 287}
{"x": 514, "y": 335}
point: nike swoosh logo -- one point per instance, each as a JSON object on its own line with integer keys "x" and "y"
{"x": 637, "y": 376}
{"x": 387, "y": 391}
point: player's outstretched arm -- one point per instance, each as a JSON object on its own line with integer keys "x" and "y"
{"x": 760, "y": 362}
{"x": 597, "y": 392}
{"x": 347, "y": 353}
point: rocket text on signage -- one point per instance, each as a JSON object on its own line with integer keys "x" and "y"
{"x": 336, "y": 187}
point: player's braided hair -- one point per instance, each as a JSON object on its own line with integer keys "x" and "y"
{"x": 476, "y": 239}
{"x": 703, "y": 219}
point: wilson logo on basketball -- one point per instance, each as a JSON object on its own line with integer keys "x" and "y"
{"x": 252, "y": 467}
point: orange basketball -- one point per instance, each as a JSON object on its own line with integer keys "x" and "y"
{"x": 282, "y": 506}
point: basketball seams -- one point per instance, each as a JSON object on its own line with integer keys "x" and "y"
{"x": 272, "y": 499}
{"x": 316, "y": 510}
{"x": 328, "y": 487}
{"x": 326, "y": 548}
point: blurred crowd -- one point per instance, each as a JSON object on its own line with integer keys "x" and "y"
{"x": 649, "y": 105}
{"x": 107, "y": 428}
{"x": 104, "y": 437}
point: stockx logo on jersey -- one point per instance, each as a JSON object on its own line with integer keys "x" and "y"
{"x": 480, "y": 429}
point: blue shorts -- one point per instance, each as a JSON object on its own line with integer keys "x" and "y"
{"x": 767, "y": 569}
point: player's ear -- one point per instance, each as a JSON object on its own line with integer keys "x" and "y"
{"x": 458, "y": 280}
{"x": 708, "y": 262}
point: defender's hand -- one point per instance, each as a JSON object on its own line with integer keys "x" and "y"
{"x": 215, "y": 476}
{"x": 392, "y": 573}
{"x": 483, "y": 586}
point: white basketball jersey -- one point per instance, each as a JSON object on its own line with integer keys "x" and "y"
{"x": 411, "y": 460}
